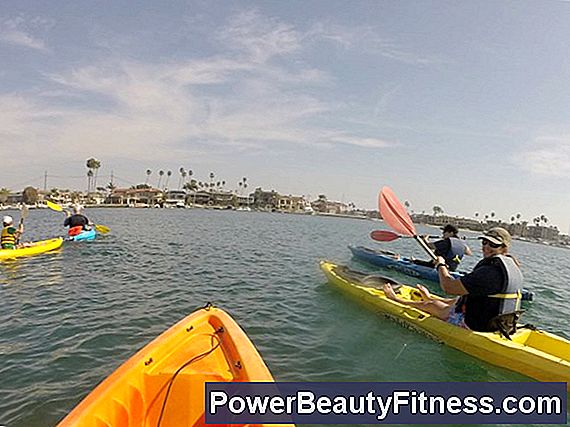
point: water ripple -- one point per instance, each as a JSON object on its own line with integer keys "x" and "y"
{"x": 69, "y": 318}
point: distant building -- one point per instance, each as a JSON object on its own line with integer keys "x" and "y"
{"x": 292, "y": 203}
{"x": 136, "y": 197}
{"x": 175, "y": 198}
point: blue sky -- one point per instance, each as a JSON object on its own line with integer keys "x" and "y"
{"x": 464, "y": 105}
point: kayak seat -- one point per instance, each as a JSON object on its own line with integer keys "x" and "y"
{"x": 506, "y": 323}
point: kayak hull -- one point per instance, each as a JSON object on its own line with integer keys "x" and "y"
{"x": 531, "y": 352}
{"x": 135, "y": 393}
{"x": 36, "y": 248}
{"x": 405, "y": 266}
{"x": 86, "y": 235}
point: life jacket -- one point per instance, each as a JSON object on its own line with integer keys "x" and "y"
{"x": 455, "y": 254}
{"x": 74, "y": 231}
{"x": 8, "y": 240}
{"x": 511, "y": 296}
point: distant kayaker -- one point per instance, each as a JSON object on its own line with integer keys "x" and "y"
{"x": 493, "y": 288}
{"x": 450, "y": 247}
{"x": 77, "y": 222}
{"x": 10, "y": 234}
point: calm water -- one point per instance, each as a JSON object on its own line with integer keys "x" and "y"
{"x": 68, "y": 319}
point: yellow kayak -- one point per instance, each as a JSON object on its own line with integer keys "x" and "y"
{"x": 168, "y": 375}
{"x": 35, "y": 248}
{"x": 531, "y": 352}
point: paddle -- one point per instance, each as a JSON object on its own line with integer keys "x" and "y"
{"x": 54, "y": 206}
{"x": 388, "y": 236}
{"x": 23, "y": 215}
{"x": 395, "y": 215}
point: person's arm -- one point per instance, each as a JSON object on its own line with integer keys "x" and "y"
{"x": 448, "y": 284}
{"x": 468, "y": 251}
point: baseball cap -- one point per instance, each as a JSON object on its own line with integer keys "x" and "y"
{"x": 449, "y": 228}
{"x": 497, "y": 235}
{"x": 7, "y": 219}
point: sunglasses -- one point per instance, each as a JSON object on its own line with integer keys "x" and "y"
{"x": 491, "y": 244}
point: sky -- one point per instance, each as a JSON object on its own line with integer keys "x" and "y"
{"x": 464, "y": 105}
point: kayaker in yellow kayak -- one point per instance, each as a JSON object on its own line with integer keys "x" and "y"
{"x": 10, "y": 234}
{"x": 492, "y": 289}
{"x": 450, "y": 247}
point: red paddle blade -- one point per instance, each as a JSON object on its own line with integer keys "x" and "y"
{"x": 394, "y": 214}
{"x": 383, "y": 235}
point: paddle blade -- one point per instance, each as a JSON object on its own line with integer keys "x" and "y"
{"x": 383, "y": 235}
{"x": 102, "y": 229}
{"x": 394, "y": 214}
{"x": 54, "y": 206}
{"x": 24, "y": 213}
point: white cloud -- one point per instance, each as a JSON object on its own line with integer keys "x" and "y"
{"x": 550, "y": 156}
{"x": 19, "y": 32}
{"x": 160, "y": 112}
{"x": 260, "y": 37}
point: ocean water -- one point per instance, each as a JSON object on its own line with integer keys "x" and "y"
{"x": 69, "y": 318}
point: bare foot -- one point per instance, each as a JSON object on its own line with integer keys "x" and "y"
{"x": 387, "y": 288}
{"x": 424, "y": 291}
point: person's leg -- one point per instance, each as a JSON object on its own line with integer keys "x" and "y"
{"x": 435, "y": 307}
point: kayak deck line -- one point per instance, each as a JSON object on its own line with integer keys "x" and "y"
{"x": 532, "y": 352}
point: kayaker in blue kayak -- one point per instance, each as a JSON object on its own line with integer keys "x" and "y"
{"x": 77, "y": 222}
{"x": 450, "y": 247}
{"x": 491, "y": 290}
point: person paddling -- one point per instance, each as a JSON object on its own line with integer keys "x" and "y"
{"x": 492, "y": 289}
{"x": 450, "y": 247}
{"x": 77, "y": 222}
{"x": 10, "y": 234}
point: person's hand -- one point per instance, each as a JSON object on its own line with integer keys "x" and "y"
{"x": 440, "y": 260}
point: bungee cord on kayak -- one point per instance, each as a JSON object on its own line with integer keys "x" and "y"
{"x": 189, "y": 362}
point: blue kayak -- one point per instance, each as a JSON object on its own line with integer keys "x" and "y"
{"x": 393, "y": 261}
{"x": 84, "y": 235}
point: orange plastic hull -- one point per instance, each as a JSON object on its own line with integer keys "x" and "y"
{"x": 135, "y": 394}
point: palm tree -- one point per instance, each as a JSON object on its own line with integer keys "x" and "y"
{"x": 160, "y": 175}
{"x": 513, "y": 218}
{"x": 168, "y": 175}
{"x": 407, "y": 205}
{"x": 89, "y": 180}
{"x": 437, "y": 210}
{"x": 492, "y": 214}
{"x": 148, "y": 173}
{"x": 518, "y": 216}
{"x": 212, "y": 176}
{"x": 182, "y": 176}
{"x": 93, "y": 165}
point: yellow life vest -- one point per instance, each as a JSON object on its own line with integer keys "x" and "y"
{"x": 8, "y": 240}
